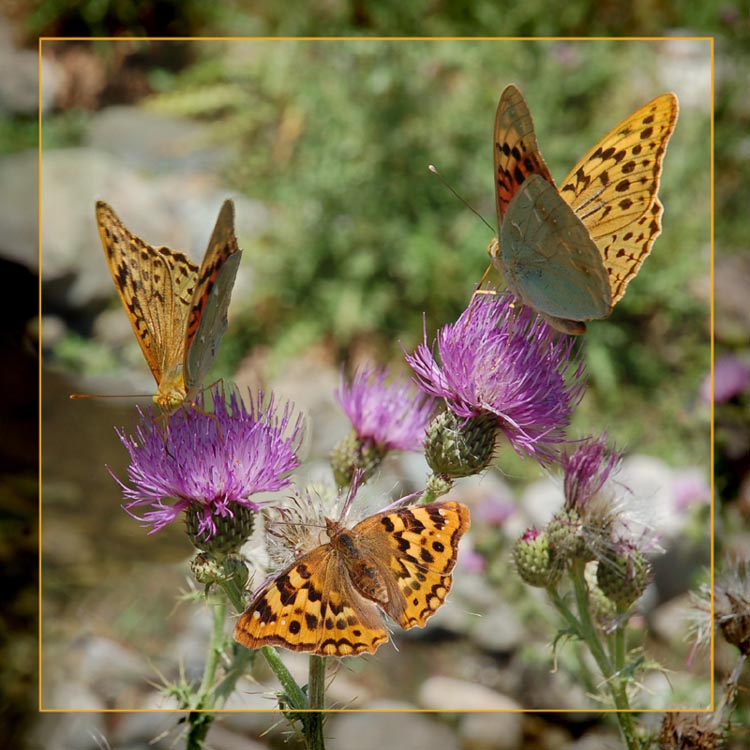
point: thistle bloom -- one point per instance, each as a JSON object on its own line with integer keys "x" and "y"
{"x": 583, "y": 528}
{"x": 392, "y": 416}
{"x": 209, "y": 464}
{"x": 384, "y": 417}
{"x": 504, "y": 361}
{"x": 587, "y": 470}
{"x": 598, "y": 524}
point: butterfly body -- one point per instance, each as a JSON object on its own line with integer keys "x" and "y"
{"x": 569, "y": 253}
{"x": 178, "y": 311}
{"x": 327, "y": 602}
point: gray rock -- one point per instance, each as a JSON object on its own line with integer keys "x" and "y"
{"x": 140, "y": 729}
{"x": 112, "y": 670}
{"x": 597, "y": 738}
{"x": 53, "y": 330}
{"x": 253, "y": 710}
{"x": 545, "y": 687}
{"x": 685, "y": 68}
{"x": 499, "y": 629}
{"x": 500, "y": 730}
{"x": 69, "y": 731}
{"x": 73, "y": 180}
{"x": 309, "y": 381}
{"x": 19, "y": 196}
{"x": 449, "y": 694}
{"x": 222, "y": 738}
{"x": 541, "y": 500}
{"x": 374, "y": 731}
{"x": 20, "y": 80}
{"x": 647, "y": 494}
{"x": 154, "y": 142}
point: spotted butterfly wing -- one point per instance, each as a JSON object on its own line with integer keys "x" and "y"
{"x": 207, "y": 320}
{"x": 612, "y": 191}
{"x": 328, "y": 601}
{"x": 177, "y": 310}
{"x": 516, "y": 153}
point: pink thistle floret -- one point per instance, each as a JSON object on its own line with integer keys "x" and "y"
{"x": 390, "y": 415}
{"x": 587, "y": 470}
{"x": 503, "y": 359}
{"x": 213, "y": 461}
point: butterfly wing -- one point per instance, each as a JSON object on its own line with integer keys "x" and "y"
{"x": 410, "y": 554}
{"x": 207, "y": 319}
{"x": 516, "y": 151}
{"x": 549, "y": 260}
{"x": 613, "y": 189}
{"x": 311, "y": 606}
{"x": 156, "y": 288}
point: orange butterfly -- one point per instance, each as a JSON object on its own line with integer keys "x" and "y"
{"x": 327, "y": 601}
{"x": 570, "y": 254}
{"x": 178, "y": 311}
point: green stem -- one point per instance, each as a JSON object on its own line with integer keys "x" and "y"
{"x": 436, "y": 487}
{"x": 612, "y": 677}
{"x": 619, "y": 643}
{"x": 316, "y": 687}
{"x": 586, "y": 624}
{"x": 294, "y": 697}
{"x": 215, "y": 649}
{"x": 575, "y": 626}
{"x": 199, "y": 721}
{"x": 293, "y": 693}
{"x": 241, "y": 659}
{"x": 234, "y": 593}
{"x": 317, "y": 682}
{"x": 198, "y": 725}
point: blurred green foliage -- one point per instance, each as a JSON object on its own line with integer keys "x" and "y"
{"x": 89, "y": 18}
{"x": 365, "y": 246}
{"x": 17, "y": 133}
{"x": 379, "y": 18}
{"x": 335, "y": 138}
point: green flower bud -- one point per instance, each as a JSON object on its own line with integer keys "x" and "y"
{"x": 457, "y": 447}
{"x": 208, "y": 570}
{"x": 623, "y": 575}
{"x": 353, "y": 453}
{"x": 566, "y": 537}
{"x": 535, "y": 561}
{"x": 437, "y": 486}
{"x": 232, "y": 531}
{"x": 602, "y": 608}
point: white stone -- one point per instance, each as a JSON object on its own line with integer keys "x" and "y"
{"x": 375, "y": 731}
{"x": 449, "y": 694}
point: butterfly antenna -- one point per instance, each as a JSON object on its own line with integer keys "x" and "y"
{"x": 445, "y": 182}
{"x": 76, "y": 396}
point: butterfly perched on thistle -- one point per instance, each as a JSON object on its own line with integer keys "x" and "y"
{"x": 570, "y": 252}
{"x": 327, "y": 601}
{"x": 178, "y": 311}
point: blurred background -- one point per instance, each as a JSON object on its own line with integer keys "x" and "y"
{"x": 348, "y": 241}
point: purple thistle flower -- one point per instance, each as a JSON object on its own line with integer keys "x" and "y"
{"x": 731, "y": 378}
{"x": 504, "y": 360}
{"x": 208, "y": 462}
{"x": 599, "y": 512}
{"x": 391, "y": 416}
{"x": 586, "y": 470}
